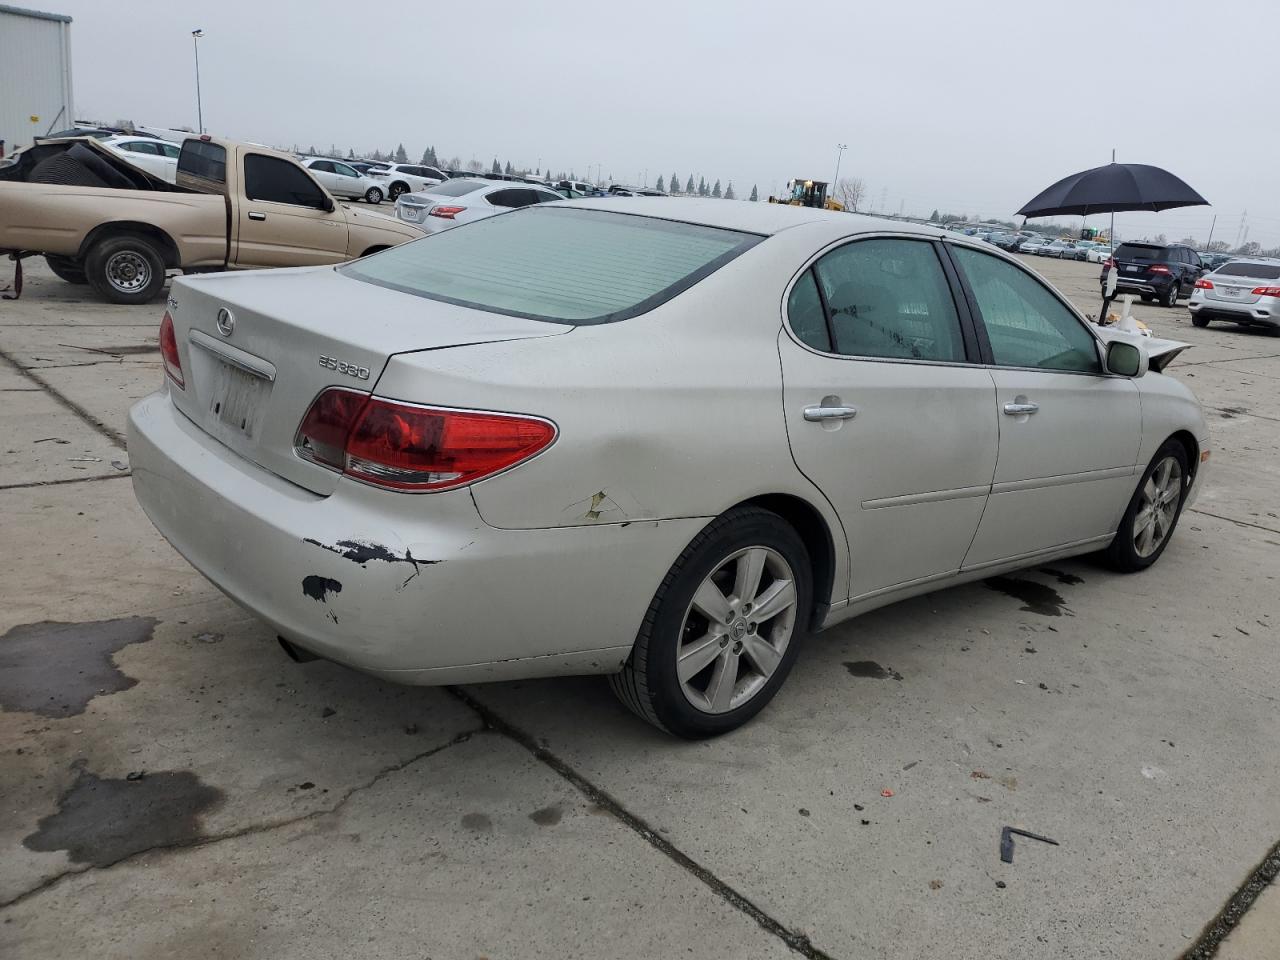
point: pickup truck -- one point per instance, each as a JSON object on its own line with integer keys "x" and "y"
{"x": 100, "y": 220}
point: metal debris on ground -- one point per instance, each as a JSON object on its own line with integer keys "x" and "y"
{"x": 1006, "y": 841}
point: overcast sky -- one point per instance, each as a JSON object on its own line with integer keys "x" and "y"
{"x": 963, "y": 107}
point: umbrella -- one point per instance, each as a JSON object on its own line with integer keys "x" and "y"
{"x": 1113, "y": 188}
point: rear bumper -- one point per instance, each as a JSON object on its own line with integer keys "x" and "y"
{"x": 1265, "y": 311}
{"x": 417, "y": 589}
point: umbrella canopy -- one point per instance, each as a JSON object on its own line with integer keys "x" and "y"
{"x": 1112, "y": 189}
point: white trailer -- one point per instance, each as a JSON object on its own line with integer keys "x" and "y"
{"x": 35, "y": 75}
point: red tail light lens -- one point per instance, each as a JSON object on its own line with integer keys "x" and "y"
{"x": 408, "y": 447}
{"x": 1204, "y": 285}
{"x": 1266, "y": 291}
{"x": 445, "y": 213}
{"x": 169, "y": 351}
{"x": 1109, "y": 264}
{"x": 1158, "y": 268}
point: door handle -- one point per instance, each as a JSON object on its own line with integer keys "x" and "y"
{"x": 818, "y": 414}
{"x": 1020, "y": 407}
{"x": 255, "y": 215}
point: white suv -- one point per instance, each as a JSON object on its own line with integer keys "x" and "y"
{"x": 343, "y": 180}
{"x": 398, "y": 178}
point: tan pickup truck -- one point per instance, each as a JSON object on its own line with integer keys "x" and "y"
{"x": 100, "y": 220}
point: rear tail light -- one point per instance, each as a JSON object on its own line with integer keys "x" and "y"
{"x": 1266, "y": 291}
{"x": 169, "y": 351}
{"x": 447, "y": 213}
{"x": 1109, "y": 264}
{"x": 407, "y": 447}
{"x": 1158, "y": 268}
{"x": 1204, "y": 285}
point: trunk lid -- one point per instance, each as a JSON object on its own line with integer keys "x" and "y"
{"x": 286, "y": 335}
{"x": 1235, "y": 282}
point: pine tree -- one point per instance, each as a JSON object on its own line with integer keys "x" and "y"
{"x": 675, "y": 183}
{"x": 435, "y": 160}
{"x": 401, "y": 156}
{"x": 507, "y": 169}
{"x": 715, "y": 191}
{"x": 728, "y": 192}
{"x": 497, "y": 167}
{"x": 755, "y": 194}
{"x": 312, "y": 151}
{"x": 661, "y": 185}
{"x": 351, "y": 154}
{"x": 688, "y": 187}
{"x": 426, "y": 157}
{"x": 934, "y": 216}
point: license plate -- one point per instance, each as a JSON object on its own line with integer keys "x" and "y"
{"x": 408, "y": 213}
{"x": 1232, "y": 291}
{"x": 1134, "y": 269}
{"x": 238, "y": 399}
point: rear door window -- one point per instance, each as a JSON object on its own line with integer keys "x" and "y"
{"x": 274, "y": 180}
{"x": 1026, "y": 324}
{"x": 548, "y": 262}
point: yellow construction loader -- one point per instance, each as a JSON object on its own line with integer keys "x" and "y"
{"x": 808, "y": 193}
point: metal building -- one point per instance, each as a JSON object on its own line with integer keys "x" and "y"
{"x": 35, "y": 75}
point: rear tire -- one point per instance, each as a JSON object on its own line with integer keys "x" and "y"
{"x": 396, "y": 189}
{"x": 66, "y": 268}
{"x": 1197, "y": 321}
{"x": 738, "y": 662}
{"x": 126, "y": 269}
{"x": 1152, "y": 515}
{"x": 1169, "y": 298}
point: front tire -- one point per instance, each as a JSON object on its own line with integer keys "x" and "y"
{"x": 1198, "y": 321}
{"x": 1153, "y": 511}
{"x": 1170, "y": 297}
{"x": 373, "y": 195}
{"x": 65, "y": 268}
{"x": 126, "y": 269}
{"x": 724, "y": 627}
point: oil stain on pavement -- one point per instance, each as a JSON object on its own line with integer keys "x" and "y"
{"x": 55, "y": 669}
{"x": 869, "y": 668}
{"x": 1070, "y": 579}
{"x": 1036, "y": 597}
{"x": 101, "y": 822}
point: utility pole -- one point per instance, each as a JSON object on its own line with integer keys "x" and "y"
{"x": 835, "y": 181}
{"x": 1208, "y": 246}
{"x": 195, "y": 46}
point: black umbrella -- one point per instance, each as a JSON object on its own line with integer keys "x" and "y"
{"x": 1114, "y": 188}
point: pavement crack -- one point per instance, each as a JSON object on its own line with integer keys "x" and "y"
{"x": 493, "y": 721}
{"x": 57, "y": 483}
{"x": 1242, "y": 523}
{"x": 266, "y": 826}
{"x": 115, "y": 436}
{"x": 1237, "y": 906}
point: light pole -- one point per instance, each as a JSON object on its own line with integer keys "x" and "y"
{"x": 840, "y": 149}
{"x": 195, "y": 46}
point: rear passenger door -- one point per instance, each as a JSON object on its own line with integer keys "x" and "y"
{"x": 888, "y": 409}
{"x": 1069, "y": 433}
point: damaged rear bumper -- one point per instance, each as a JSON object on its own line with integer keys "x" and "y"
{"x": 415, "y": 589}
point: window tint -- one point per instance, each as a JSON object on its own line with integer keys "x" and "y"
{"x": 169, "y": 150}
{"x": 457, "y": 188}
{"x": 889, "y": 298}
{"x": 506, "y": 198}
{"x": 1254, "y": 271}
{"x": 804, "y": 313}
{"x": 1135, "y": 251}
{"x": 547, "y": 262}
{"x": 1027, "y": 325}
{"x": 279, "y": 181}
{"x": 141, "y": 146}
{"x": 544, "y": 196}
{"x": 344, "y": 170}
{"x": 433, "y": 173}
{"x": 203, "y": 159}
{"x": 324, "y": 166}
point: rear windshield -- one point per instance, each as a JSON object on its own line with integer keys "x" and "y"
{"x": 1133, "y": 251}
{"x": 203, "y": 159}
{"x": 562, "y": 265}
{"x": 1255, "y": 271}
{"x": 456, "y": 188}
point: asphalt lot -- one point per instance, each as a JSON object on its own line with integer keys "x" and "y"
{"x": 288, "y": 810}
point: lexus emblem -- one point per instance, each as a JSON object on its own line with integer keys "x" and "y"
{"x": 226, "y": 321}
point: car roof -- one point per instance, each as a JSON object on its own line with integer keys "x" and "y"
{"x": 762, "y": 218}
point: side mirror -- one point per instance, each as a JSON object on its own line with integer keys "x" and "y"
{"x": 327, "y": 205}
{"x": 1124, "y": 359}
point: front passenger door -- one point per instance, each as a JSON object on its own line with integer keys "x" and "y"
{"x": 1069, "y": 433}
{"x": 283, "y": 220}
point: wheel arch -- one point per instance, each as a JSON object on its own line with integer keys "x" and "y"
{"x": 809, "y": 523}
{"x": 376, "y": 248}
{"x": 118, "y": 228}
{"x": 1192, "y": 447}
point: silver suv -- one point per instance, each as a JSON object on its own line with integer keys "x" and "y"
{"x": 1242, "y": 291}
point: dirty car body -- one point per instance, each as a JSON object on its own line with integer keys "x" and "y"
{"x": 655, "y": 438}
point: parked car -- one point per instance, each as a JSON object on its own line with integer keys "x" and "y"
{"x": 1243, "y": 291}
{"x": 1033, "y": 245}
{"x": 1212, "y": 261}
{"x": 401, "y": 178}
{"x": 520, "y": 412}
{"x": 1099, "y": 253}
{"x": 343, "y": 180}
{"x": 234, "y": 205}
{"x": 1059, "y": 249}
{"x": 1160, "y": 272}
{"x": 1010, "y": 242}
{"x": 456, "y": 202}
{"x": 157, "y": 157}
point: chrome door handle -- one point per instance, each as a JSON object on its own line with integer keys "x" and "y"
{"x": 254, "y": 215}
{"x": 817, "y": 414}
{"x": 1019, "y": 408}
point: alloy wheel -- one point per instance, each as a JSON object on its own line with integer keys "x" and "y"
{"x": 1158, "y": 508}
{"x": 736, "y": 630}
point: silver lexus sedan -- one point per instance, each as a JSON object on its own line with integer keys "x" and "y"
{"x": 658, "y": 439}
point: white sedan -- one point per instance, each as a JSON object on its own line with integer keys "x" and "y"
{"x": 659, "y": 439}
{"x": 157, "y": 157}
{"x": 398, "y": 178}
{"x": 344, "y": 180}
{"x": 1099, "y": 253}
{"x": 460, "y": 201}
